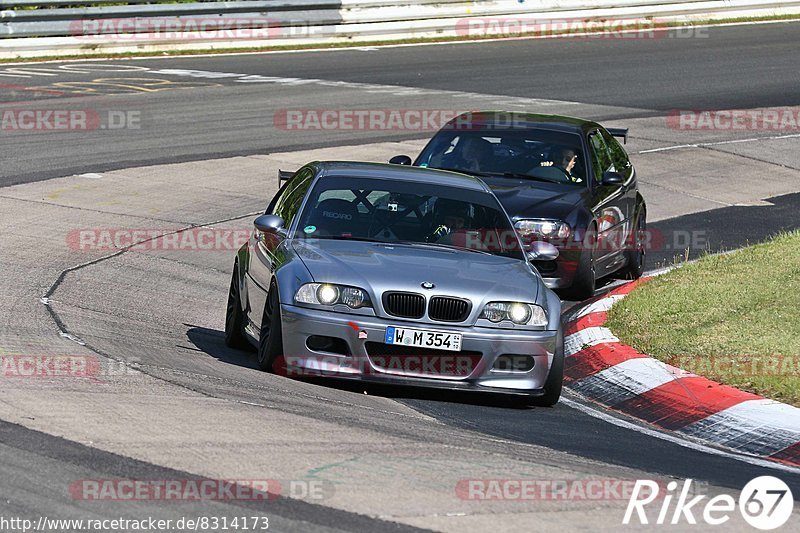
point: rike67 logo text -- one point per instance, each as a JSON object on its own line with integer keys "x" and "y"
{"x": 765, "y": 503}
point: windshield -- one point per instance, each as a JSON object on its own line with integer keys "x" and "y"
{"x": 540, "y": 155}
{"x": 409, "y": 213}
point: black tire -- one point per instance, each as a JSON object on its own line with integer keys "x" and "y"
{"x": 585, "y": 275}
{"x": 270, "y": 342}
{"x": 234, "y": 316}
{"x": 555, "y": 379}
{"x": 636, "y": 254}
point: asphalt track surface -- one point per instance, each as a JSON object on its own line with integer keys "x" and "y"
{"x": 736, "y": 67}
{"x": 719, "y": 68}
{"x": 34, "y": 464}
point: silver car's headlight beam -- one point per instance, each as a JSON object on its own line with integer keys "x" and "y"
{"x": 329, "y": 294}
{"x": 522, "y": 314}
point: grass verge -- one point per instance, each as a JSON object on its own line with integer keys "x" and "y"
{"x": 733, "y": 318}
{"x": 361, "y": 44}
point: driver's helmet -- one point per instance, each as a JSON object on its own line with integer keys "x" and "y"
{"x": 476, "y": 153}
{"x": 453, "y": 213}
{"x": 561, "y": 155}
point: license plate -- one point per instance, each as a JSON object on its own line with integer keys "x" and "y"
{"x": 423, "y": 338}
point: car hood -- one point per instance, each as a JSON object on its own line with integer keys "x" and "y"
{"x": 378, "y": 267}
{"x": 526, "y": 198}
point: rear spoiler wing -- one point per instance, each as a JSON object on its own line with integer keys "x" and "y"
{"x": 622, "y": 133}
{"x": 284, "y": 175}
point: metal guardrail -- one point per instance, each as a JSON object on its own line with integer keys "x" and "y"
{"x": 53, "y": 18}
{"x": 33, "y": 27}
{"x": 70, "y": 21}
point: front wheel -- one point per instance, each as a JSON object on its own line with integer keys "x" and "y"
{"x": 234, "y": 316}
{"x": 636, "y": 251}
{"x": 270, "y": 342}
{"x": 555, "y": 379}
{"x": 585, "y": 275}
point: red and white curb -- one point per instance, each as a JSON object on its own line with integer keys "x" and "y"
{"x": 601, "y": 369}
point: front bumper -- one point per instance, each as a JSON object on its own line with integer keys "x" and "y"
{"x": 560, "y": 273}
{"x": 469, "y": 369}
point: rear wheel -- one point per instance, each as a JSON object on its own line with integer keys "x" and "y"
{"x": 234, "y": 316}
{"x": 636, "y": 253}
{"x": 270, "y": 342}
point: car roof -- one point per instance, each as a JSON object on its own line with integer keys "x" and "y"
{"x": 512, "y": 120}
{"x": 357, "y": 169}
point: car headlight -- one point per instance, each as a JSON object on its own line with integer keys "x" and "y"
{"x": 547, "y": 228}
{"x": 519, "y": 313}
{"x": 330, "y": 294}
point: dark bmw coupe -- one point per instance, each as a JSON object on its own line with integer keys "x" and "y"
{"x": 564, "y": 180}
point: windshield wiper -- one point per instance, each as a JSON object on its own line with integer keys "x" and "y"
{"x": 403, "y": 243}
{"x": 462, "y": 171}
{"x": 517, "y": 175}
{"x": 486, "y": 174}
{"x": 344, "y": 238}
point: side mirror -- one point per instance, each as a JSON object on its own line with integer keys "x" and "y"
{"x": 400, "y": 160}
{"x": 612, "y": 178}
{"x": 541, "y": 251}
{"x": 269, "y": 224}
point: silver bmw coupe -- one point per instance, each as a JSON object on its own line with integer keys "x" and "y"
{"x": 396, "y": 275}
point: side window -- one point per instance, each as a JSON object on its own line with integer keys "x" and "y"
{"x": 289, "y": 201}
{"x": 618, "y": 156}
{"x": 600, "y": 158}
{"x": 275, "y": 199}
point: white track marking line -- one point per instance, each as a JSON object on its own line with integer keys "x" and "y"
{"x": 677, "y": 440}
{"x": 71, "y": 337}
{"x": 378, "y": 88}
{"x": 719, "y": 143}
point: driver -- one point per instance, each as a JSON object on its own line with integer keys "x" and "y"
{"x": 475, "y": 153}
{"x": 565, "y": 159}
{"x": 450, "y": 217}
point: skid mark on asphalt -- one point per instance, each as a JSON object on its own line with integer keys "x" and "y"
{"x": 113, "y": 86}
{"x": 62, "y": 70}
{"x": 101, "y": 86}
{"x": 313, "y": 472}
